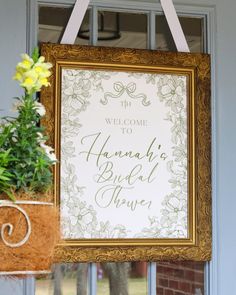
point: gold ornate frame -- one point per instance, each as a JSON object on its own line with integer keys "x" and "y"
{"x": 197, "y": 69}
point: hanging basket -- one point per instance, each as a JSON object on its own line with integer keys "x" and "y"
{"x": 28, "y": 235}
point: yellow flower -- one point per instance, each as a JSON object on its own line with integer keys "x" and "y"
{"x": 40, "y": 83}
{"x": 42, "y": 68}
{"x": 43, "y": 73}
{"x": 38, "y": 69}
{"x": 29, "y": 80}
{"x": 18, "y": 76}
{"x": 44, "y": 82}
{"x": 41, "y": 59}
{"x": 32, "y": 75}
{"x": 26, "y": 62}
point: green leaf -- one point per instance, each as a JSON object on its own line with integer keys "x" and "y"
{"x": 10, "y": 195}
{"x": 35, "y": 54}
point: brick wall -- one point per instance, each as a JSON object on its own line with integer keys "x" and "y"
{"x": 180, "y": 278}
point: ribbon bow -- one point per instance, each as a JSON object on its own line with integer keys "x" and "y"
{"x": 120, "y": 89}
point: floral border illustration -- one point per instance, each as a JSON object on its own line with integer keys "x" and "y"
{"x": 82, "y": 220}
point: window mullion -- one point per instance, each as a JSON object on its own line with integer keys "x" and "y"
{"x": 93, "y": 26}
{"x": 151, "y": 34}
{"x": 151, "y": 276}
{"x": 92, "y": 278}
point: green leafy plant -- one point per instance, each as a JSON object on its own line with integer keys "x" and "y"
{"x": 5, "y": 175}
{"x": 25, "y": 159}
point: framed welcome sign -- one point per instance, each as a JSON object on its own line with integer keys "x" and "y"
{"x": 131, "y": 130}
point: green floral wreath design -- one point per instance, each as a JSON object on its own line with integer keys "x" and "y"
{"x": 82, "y": 221}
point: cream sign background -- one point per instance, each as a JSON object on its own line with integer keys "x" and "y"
{"x": 124, "y": 155}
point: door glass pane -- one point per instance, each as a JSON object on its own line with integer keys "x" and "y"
{"x": 66, "y": 279}
{"x": 193, "y": 31}
{"x": 180, "y": 278}
{"x": 119, "y": 29}
{"x": 53, "y": 21}
{"x": 126, "y": 278}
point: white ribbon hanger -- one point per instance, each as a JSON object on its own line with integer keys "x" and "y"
{"x": 75, "y": 22}
{"x": 81, "y": 6}
{"x": 174, "y": 25}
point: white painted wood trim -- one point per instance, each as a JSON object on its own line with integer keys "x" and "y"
{"x": 152, "y": 277}
{"x": 92, "y": 277}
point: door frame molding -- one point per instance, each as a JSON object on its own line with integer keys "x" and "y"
{"x": 185, "y": 8}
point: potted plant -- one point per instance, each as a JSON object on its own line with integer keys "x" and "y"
{"x": 28, "y": 221}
